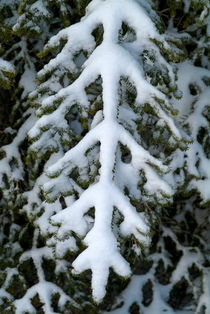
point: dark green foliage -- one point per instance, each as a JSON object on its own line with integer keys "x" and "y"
{"x": 179, "y": 296}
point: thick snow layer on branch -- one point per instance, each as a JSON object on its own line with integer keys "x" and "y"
{"x": 111, "y": 61}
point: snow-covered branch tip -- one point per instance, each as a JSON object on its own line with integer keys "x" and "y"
{"x": 7, "y": 71}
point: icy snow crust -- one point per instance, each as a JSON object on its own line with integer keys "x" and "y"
{"x": 111, "y": 61}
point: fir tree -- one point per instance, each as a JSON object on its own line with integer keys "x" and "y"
{"x": 96, "y": 167}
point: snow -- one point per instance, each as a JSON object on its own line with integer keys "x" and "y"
{"x": 44, "y": 288}
{"x": 106, "y": 61}
{"x": 6, "y": 66}
{"x": 194, "y": 120}
{"x": 116, "y": 58}
{"x": 11, "y": 151}
{"x": 27, "y": 81}
{"x": 133, "y": 293}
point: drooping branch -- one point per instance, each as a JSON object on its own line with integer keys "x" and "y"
{"x": 108, "y": 62}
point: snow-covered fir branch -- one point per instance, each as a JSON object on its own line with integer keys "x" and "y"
{"x": 96, "y": 168}
{"x": 104, "y": 64}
